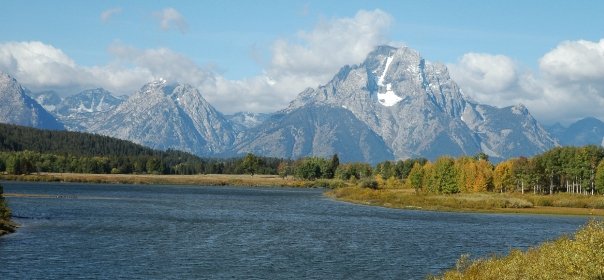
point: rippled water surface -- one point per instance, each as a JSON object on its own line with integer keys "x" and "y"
{"x": 129, "y": 231}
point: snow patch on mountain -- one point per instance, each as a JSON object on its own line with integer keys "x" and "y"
{"x": 386, "y": 97}
{"x": 247, "y": 120}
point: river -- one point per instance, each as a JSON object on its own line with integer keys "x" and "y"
{"x": 182, "y": 232}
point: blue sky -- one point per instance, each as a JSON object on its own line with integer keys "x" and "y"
{"x": 237, "y": 52}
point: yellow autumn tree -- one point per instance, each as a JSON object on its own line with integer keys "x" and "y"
{"x": 466, "y": 173}
{"x": 503, "y": 177}
{"x": 484, "y": 176}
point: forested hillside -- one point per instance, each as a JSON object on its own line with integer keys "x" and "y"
{"x": 20, "y": 138}
{"x": 26, "y": 150}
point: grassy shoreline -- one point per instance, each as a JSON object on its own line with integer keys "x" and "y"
{"x": 148, "y": 179}
{"x": 580, "y": 256}
{"x": 392, "y": 198}
{"x": 481, "y": 202}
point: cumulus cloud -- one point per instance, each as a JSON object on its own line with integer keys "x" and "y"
{"x": 307, "y": 59}
{"x": 491, "y": 79}
{"x": 39, "y": 66}
{"x": 568, "y": 85}
{"x": 108, "y": 14}
{"x": 161, "y": 63}
{"x": 318, "y": 54}
{"x": 575, "y": 61}
{"x": 170, "y": 18}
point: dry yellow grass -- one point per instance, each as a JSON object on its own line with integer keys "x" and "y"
{"x": 475, "y": 202}
{"x": 207, "y": 180}
{"x": 577, "y": 257}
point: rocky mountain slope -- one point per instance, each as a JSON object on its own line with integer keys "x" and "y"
{"x": 247, "y": 120}
{"x": 80, "y": 111}
{"x": 169, "y": 116}
{"x": 587, "y": 131}
{"x": 16, "y": 107}
{"x": 419, "y": 111}
{"x": 315, "y": 130}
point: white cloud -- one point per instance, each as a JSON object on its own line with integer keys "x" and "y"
{"x": 39, "y": 66}
{"x": 161, "y": 62}
{"x": 485, "y": 72}
{"x": 108, "y": 14}
{"x": 575, "y": 61}
{"x": 170, "y": 18}
{"x": 568, "y": 86}
{"x": 309, "y": 59}
{"x": 318, "y": 54}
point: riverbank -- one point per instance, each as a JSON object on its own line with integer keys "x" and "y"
{"x": 577, "y": 257}
{"x": 149, "y": 179}
{"x": 7, "y": 227}
{"x": 560, "y": 204}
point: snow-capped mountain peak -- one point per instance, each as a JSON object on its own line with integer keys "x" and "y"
{"x": 169, "y": 115}
{"x": 16, "y": 107}
{"x": 418, "y": 110}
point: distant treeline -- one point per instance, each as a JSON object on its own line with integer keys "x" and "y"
{"x": 25, "y": 150}
{"x": 561, "y": 169}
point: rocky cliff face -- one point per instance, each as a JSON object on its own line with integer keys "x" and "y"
{"x": 80, "y": 111}
{"x": 18, "y": 108}
{"x": 319, "y": 130}
{"x": 419, "y": 111}
{"x": 169, "y": 116}
{"x": 246, "y": 120}
{"x": 507, "y": 132}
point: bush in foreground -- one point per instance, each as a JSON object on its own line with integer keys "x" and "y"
{"x": 578, "y": 257}
{"x": 5, "y": 223}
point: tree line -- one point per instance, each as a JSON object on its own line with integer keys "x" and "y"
{"x": 28, "y": 162}
{"x": 25, "y": 150}
{"x": 577, "y": 170}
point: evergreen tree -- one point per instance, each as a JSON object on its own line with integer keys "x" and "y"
{"x": 250, "y": 164}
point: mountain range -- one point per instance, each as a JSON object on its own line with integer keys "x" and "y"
{"x": 393, "y": 105}
{"x": 587, "y": 131}
{"x": 16, "y": 107}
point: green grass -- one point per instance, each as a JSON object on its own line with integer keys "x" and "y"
{"x": 578, "y": 257}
